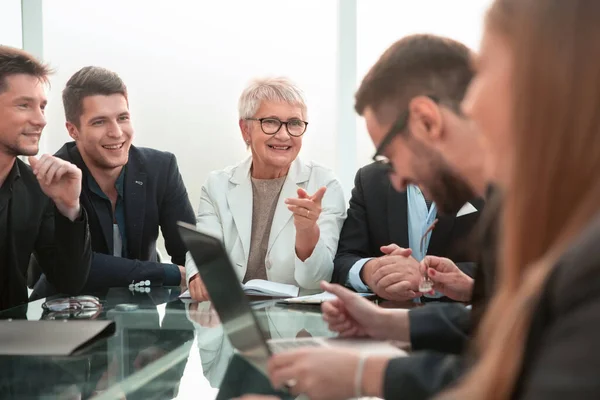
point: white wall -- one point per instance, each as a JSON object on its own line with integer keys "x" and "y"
{"x": 186, "y": 63}
{"x": 10, "y": 23}
{"x": 382, "y": 22}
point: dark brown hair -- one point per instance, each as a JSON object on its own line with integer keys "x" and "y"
{"x": 89, "y": 81}
{"x": 16, "y": 61}
{"x": 554, "y": 183}
{"x": 415, "y": 65}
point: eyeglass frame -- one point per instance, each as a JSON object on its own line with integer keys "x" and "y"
{"x": 84, "y": 313}
{"x": 281, "y": 123}
{"x": 395, "y": 130}
{"x": 76, "y": 301}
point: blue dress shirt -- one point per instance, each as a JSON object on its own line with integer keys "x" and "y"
{"x": 419, "y": 219}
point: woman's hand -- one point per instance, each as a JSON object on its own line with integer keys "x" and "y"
{"x": 447, "y": 278}
{"x": 198, "y": 291}
{"x": 306, "y": 210}
{"x": 327, "y": 373}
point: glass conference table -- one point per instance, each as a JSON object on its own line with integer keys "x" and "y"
{"x": 163, "y": 349}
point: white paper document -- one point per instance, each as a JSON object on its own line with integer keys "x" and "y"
{"x": 317, "y": 298}
{"x": 261, "y": 287}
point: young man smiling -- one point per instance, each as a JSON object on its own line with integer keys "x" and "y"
{"x": 129, "y": 192}
{"x": 40, "y": 213}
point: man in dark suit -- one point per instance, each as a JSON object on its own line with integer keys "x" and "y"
{"x": 380, "y": 216}
{"x": 128, "y": 192}
{"x": 40, "y": 211}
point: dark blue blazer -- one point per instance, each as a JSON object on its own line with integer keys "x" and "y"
{"x": 155, "y": 196}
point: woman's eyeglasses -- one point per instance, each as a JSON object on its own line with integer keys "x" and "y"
{"x": 270, "y": 126}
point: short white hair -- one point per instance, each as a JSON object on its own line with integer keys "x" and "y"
{"x": 278, "y": 89}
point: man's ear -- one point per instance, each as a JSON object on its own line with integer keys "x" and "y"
{"x": 425, "y": 121}
{"x": 73, "y": 131}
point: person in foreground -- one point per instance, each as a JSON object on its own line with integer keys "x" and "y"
{"x": 539, "y": 336}
{"x": 278, "y": 217}
{"x": 40, "y": 212}
{"x": 129, "y": 192}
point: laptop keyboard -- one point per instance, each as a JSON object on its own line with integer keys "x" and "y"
{"x": 284, "y": 345}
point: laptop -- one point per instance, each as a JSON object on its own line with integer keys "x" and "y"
{"x": 231, "y": 304}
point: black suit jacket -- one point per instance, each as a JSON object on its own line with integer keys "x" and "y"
{"x": 440, "y": 333}
{"x": 378, "y": 216}
{"x": 154, "y": 196}
{"x": 61, "y": 247}
{"x": 560, "y": 360}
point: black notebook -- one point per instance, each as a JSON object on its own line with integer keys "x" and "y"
{"x": 50, "y": 338}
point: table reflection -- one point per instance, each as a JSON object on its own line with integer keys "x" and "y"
{"x": 163, "y": 348}
{"x": 156, "y": 327}
{"x": 216, "y": 352}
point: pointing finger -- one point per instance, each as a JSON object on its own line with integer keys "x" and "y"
{"x": 318, "y": 196}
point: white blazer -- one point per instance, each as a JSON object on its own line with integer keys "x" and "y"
{"x": 226, "y": 212}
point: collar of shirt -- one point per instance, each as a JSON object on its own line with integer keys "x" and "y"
{"x": 419, "y": 219}
{"x": 13, "y": 175}
{"x": 119, "y": 207}
{"x": 7, "y": 186}
{"x": 119, "y": 185}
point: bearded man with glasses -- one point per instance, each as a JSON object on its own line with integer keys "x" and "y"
{"x": 389, "y": 229}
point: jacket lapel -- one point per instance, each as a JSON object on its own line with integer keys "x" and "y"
{"x": 441, "y": 234}
{"x": 297, "y": 176}
{"x": 134, "y": 194}
{"x": 18, "y": 209}
{"x": 97, "y": 215}
{"x": 239, "y": 199}
{"x": 397, "y": 205}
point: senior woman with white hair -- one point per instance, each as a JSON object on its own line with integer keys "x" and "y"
{"x": 278, "y": 217}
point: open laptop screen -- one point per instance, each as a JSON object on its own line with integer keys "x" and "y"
{"x": 226, "y": 293}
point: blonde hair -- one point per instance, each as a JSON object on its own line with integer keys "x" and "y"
{"x": 277, "y": 89}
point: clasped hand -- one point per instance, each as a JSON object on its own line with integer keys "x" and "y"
{"x": 394, "y": 276}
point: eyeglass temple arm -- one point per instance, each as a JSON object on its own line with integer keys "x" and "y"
{"x": 429, "y": 229}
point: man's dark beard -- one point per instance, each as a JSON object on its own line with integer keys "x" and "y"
{"x": 447, "y": 189}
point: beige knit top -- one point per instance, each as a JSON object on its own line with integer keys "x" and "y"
{"x": 265, "y": 195}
